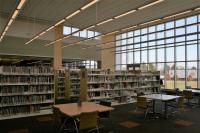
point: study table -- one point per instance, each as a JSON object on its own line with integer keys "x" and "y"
{"x": 73, "y": 110}
{"x": 161, "y": 97}
{"x": 197, "y": 92}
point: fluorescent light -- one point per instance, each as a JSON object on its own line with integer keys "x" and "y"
{"x": 73, "y": 14}
{"x": 124, "y": 14}
{"x": 196, "y": 9}
{"x": 111, "y": 33}
{"x": 150, "y": 22}
{"x": 36, "y": 37}
{"x": 105, "y": 21}
{"x": 90, "y": 27}
{"x": 150, "y": 4}
{"x": 66, "y": 37}
{"x": 10, "y": 22}
{"x": 6, "y": 28}
{"x": 21, "y": 4}
{"x": 49, "y": 43}
{"x": 50, "y": 28}
{"x": 42, "y": 33}
{"x": 3, "y": 33}
{"x": 61, "y": 21}
{"x": 15, "y": 14}
{"x": 177, "y": 14}
{"x": 89, "y": 4}
{"x": 128, "y": 28}
{"x": 58, "y": 40}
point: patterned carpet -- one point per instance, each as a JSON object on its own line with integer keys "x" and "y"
{"x": 124, "y": 120}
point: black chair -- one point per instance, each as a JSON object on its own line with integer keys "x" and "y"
{"x": 105, "y": 115}
{"x": 64, "y": 122}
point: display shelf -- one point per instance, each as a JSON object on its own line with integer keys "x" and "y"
{"x": 118, "y": 86}
{"x": 24, "y": 90}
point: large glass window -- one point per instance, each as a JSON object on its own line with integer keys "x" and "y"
{"x": 173, "y": 48}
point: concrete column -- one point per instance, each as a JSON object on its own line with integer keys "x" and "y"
{"x": 108, "y": 55}
{"x": 57, "y": 63}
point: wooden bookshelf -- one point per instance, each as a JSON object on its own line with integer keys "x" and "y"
{"x": 74, "y": 80}
{"x": 119, "y": 86}
{"x": 25, "y": 91}
{"x": 67, "y": 84}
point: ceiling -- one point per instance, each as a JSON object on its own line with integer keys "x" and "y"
{"x": 37, "y": 15}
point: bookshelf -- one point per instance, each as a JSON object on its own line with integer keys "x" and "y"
{"x": 67, "y": 84}
{"x": 25, "y": 91}
{"x": 74, "y": 79}
{"x": 119, "y": 86}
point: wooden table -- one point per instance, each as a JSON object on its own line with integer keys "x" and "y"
{"x": 161, "y": 97}
{"x": 73, "y": 110}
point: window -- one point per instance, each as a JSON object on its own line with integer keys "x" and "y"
{"x": 144, "y": 56}
{"x": 180, "y": 75}
{"x": 191, "y": 20}
{"x": 169, "y": 25}
{"x": 180, "y": 22}
{"x": 137, "y": 57}
{"x": 67, "y": 30}
{"x": 152, "y": 55}
{"x": 85, "y": 34}
{"x": 192, "y": 52}
{"x": 173, "y": 48}
{"x": 170, "y": 54}
{"x": 180, "y": 53}
{"x": 192, "y": 74}
{"x": 160, "y": 56}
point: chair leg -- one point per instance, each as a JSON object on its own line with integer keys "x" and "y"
{"x": 63, "y": 125}
{"x": 97, "y": 129}
{"x": 147, "y": 110}
{"x": 76, "y": 126}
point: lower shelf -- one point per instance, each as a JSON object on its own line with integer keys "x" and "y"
{"x": 42, "y": 112}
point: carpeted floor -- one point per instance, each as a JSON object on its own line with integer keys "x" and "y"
{"x": 124, "y": 119}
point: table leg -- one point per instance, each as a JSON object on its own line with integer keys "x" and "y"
{"x": 165, "y": 111}
{"x": 153, "y": 107}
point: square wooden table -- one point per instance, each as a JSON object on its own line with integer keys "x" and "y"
{"x": 73, "y": 110}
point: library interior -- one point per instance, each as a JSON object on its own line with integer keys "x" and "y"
{"x": 105, "y": 66}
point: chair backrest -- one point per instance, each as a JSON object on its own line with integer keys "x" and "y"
{"x": 105, "y": 103}
{"x": 141, "y": 102}
{"x": 187, "y": 94}
{"x": 88, "y": 120}
{"x": 180, "y": 102}
{"x": 107, "y": 113}
{"x": 56, "y": 115}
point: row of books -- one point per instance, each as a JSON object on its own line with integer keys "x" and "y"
{"x": 16, "y": 110}
{"x": 26, "y": 70}
{"x": 24, "y": 99}
{"x": 25, "y": 89}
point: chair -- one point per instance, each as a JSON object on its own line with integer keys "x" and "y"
{"x": 142, "y": 103}
{"x": 188, "y": 95}
{"x": 89, "y": 120}
{"x": 105, "y": 115}
{"x": 177, "y": 106}
{"x": 64, "y": 121}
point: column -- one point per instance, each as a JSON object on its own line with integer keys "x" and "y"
{"x": 107, "y": 53}
{"x": 57, "y": 63}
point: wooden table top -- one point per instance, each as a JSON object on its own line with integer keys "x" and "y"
{"x": 161, "y": 97}
{"x": 72, "y": 109}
